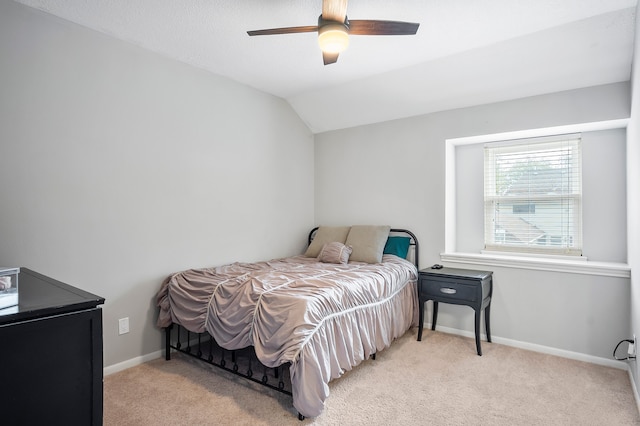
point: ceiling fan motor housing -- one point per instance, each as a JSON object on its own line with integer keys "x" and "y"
{"x": 333, "y": 36}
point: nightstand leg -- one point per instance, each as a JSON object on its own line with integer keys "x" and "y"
{"x": 421, "y": 320}
{"x": 486, "y": 321}
{"x": 478, "y": 332}
{"x": 434, "y": 319}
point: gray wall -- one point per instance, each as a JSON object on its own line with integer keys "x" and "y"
{"x": 394, "y": 173}
{"x": 604, "y": 183}
{"x": 121, "y": 166}
{"x": 633, "y": 196}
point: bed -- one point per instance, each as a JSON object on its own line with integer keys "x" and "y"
{"x": 294, "y": 324}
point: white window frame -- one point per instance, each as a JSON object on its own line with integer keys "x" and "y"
{"x": 566, "y": 224}
{"x": 451, "y": 256}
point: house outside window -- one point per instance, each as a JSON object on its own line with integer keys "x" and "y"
{"x": 533, "y": 196}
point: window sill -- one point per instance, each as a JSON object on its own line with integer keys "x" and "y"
{"x": 607, "y": 269}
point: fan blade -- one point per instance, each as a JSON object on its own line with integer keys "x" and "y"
{"x": 334, "y": 10}
{"x": 329, "y": 58}
{"x": 286, "y": 30}
{"x": 371, "y": 27}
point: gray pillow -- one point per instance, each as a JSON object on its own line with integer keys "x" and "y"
{"x": 326, "y": 234}
{"x": 367, "y": 242}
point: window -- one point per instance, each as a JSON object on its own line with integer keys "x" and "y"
{"x": 533, "y": 195}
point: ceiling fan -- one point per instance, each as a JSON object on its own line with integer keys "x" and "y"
{"x": 334, "y": 29}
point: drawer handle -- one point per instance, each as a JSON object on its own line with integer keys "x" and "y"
{"x": 447, "y": 290}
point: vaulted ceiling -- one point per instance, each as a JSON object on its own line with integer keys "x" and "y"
{"x": 466, "y": 52}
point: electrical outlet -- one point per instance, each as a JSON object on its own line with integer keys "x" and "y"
{"x": 123, "y": 325}
{"x": 632, "y": 347}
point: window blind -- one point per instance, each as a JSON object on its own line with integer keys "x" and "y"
{"x": 533, "y": 195}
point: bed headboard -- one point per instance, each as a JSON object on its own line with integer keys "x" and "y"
{"x": 413, "y": 242}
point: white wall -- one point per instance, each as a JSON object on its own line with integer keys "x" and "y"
{"x": 121, "y": 166}
{"x": 633, "y": 195}
{"x": 394, "y": 173}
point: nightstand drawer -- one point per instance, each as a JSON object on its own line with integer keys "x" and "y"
{"x": 451, "y": 289}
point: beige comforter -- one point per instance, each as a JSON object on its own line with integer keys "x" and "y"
{"x": 322, "y": 318}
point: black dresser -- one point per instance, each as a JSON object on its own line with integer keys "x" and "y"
{"x": 51, "y": 355}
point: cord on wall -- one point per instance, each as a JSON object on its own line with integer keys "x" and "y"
{"x": 630, "y": 351}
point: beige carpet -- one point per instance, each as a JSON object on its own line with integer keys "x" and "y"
{"x": 439, "y": 381}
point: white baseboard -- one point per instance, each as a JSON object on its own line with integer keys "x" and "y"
{"x": 132, "y": 362}
{"x": 634, "y": 387}
{"x": 537, "y": 348}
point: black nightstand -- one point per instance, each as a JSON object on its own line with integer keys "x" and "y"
{"x": 460, "y": 287}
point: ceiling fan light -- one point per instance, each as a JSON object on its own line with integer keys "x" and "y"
{"x": 333, "y": 38}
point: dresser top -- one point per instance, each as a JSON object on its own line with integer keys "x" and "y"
{"x": 456, "y": 273}
{"x": 40, "y": 296}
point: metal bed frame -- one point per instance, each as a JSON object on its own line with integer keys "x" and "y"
{"x": 244, "y": 362}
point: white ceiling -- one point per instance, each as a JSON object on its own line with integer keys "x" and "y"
{"x": 466, "y": 52}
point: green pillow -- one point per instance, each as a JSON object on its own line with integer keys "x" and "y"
{"x": 398, "y": 246}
